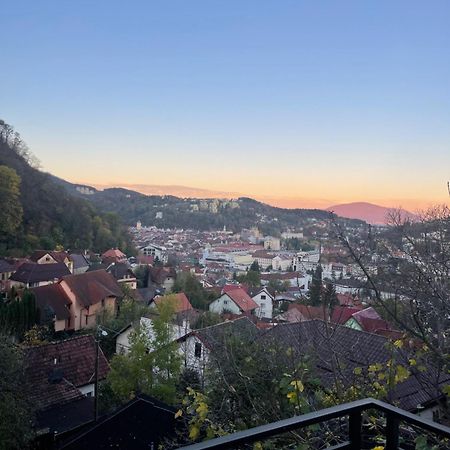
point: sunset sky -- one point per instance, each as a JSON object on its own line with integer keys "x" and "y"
{"x": 299, "y": 103}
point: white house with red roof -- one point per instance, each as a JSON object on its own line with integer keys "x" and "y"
{"x": 235, "y": 301}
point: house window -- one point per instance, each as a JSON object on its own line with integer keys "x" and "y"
{"x": 87, "y": 319}
{"x": 103, "y": 302}
{"x": 198, "y": 350}
{"x": 225, "y": 302}
{"x": 68, "y": 322}
{"x": 263, "y": 297}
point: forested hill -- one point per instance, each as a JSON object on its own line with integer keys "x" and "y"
{"x": 200, "y": 214}
{"x": 36, "y": 212}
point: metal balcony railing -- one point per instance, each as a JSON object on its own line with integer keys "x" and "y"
{"x": 394, "y": 416}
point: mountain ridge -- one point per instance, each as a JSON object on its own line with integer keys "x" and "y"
{"x": 368, "y": 212}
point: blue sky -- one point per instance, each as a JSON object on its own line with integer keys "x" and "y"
{"x": 315, "y": 101}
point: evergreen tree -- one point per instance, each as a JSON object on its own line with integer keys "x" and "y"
{"x": 329, "y": 296}
{"x": 255, "y": 266}
{"x": 315, "y": 288}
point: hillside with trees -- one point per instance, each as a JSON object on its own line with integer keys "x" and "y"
{"x": 36, "y": 212}
{"x": 200, "y": 214}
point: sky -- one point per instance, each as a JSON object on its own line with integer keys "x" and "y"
{"x": 299, "y": 103}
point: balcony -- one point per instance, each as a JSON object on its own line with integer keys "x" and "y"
{"x": 395, "y": 421}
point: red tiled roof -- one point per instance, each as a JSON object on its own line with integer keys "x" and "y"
{"x": 346, "y": 299}
{"x": 342, "y": 313}
{"x": 229, "y": 287}
{"x": 310, "y": 312}
{"x": 74, "y": 359}
{"x": 54, "y": 298}
{"x": 181, "y": 302}
{"x": 242, "y": 299}
{"x": 92, "y": 287}
{"x": 114, "y": 253}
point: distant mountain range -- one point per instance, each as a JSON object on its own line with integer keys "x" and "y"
{"x": 370, "y": 213}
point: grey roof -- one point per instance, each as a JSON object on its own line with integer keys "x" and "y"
{"x": 333, "y": 346}
{"x": 35, "y": 273}
{"x": 79, "y": 261}
{"x": 6, "y": 266}
{"x": 120, "y": 270}
{"x": 216, "y": 336}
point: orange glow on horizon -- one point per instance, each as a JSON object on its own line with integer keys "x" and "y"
{"x": 277, "y": 199}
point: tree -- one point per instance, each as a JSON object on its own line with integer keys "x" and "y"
{"x": 329, "y": 296}
{"x": 19, "y": 315}
{"x": 315, "y": 289}
{"x": 15, "y": 411}
{"x": 195, "y": 292}
{"x": 415, "y": 272}
{"x": 10, "y": 206}
{"x": 152, "y": 364}
{"x": 251, "y": 278}
{"x": 255, "y": 266}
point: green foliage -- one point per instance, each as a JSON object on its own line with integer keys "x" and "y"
{"x": 252, "y": 278}
{"x": 206, "y": 319}
{"x": 18, "y": 315}
{"x": 16, "y": 416}
{"x": 45, "y": 215}
{"x": 10, "y": 207}
{"x": 315, "y": 288}
{"x": 297, "y": 244}
{"x": 195, "y": 292}
{"x": 255, "y": 266}
{"x": 249, "y": 384}
{"x": 329, "y": 296}
{"x": 152, "y": 365}
{"x": 279, "y": 285}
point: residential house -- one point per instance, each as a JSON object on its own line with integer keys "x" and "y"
{"x": 90, "y": 294}
{"x": 162, "y": 276}
{"x": 54, "y": 306}
{"x": 33, "y": 275}
{"x": 80, "y": 263}
{"x": 52, "y": 257}
{"x": 60, "y": 379}
{"x": 75, "y": 301}
{"x": 198, "y": 346}
{"x": 179, "y": 302}
{"x": 123, "y": 274}
{"x": 235, "y": 301}
{"x": 368, "y": 320}
{"x": 7, "y": 268}
{"x": 179, "y": 326}
{"x": 156, "y": 251}
{"x": 113, "y": 255}
{"x": 264, "y": 299}
{"x": 338, "y": 350}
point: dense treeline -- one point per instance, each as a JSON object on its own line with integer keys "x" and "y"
{"x": 18, "y": 316}
{"x": 47, "y": 216}
{"x": 177, "y": 212}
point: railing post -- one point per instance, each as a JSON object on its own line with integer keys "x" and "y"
{"x": 392, "y": 431}
{"x": 354, "y": 430}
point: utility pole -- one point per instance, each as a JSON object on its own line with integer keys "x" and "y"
{"x": 97, "y": 348}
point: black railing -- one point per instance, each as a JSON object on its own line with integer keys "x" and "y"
{"x": 394, "y": 416}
